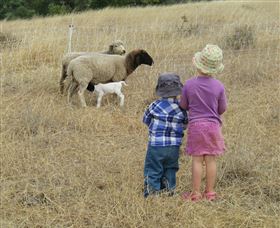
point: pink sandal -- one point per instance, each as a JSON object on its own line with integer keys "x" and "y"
{"x": 211, "y": 196}
{"x": 190, "y": 196}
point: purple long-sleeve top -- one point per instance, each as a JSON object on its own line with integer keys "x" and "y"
{"x": 205, "y": 99}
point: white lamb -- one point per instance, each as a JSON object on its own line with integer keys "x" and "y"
{"x": 114, "y": 87}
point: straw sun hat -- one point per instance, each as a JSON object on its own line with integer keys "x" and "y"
{"x": 209, "y": 60}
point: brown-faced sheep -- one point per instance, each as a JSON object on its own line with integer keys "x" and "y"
{"x": 116, "y": 48}
{"x": 100, "y": 68}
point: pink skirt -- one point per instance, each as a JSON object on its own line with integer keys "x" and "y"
{"x": 205, "y": 138}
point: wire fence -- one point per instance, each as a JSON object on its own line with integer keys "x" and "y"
{"x": 25, "y": 33}
{"x": 24, "y": 38}
{"x": 267, "y": 58}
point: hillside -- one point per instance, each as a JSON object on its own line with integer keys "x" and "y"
{"x": 65, "y": 166}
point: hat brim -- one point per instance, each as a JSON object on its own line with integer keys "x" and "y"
{"x": 204, "y": 69}
{"x": 172, "y": 92}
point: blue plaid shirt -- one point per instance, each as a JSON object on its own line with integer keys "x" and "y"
{"x": 166, "y": 122}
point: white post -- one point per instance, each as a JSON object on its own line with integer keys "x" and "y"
{"x": 70, "y": 32}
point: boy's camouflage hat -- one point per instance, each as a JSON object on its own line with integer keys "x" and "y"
{"x": 169, "y": 85}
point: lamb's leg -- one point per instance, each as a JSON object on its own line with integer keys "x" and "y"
{"x": 100, "y": 95}
{"x": 121, "y": 96}
{"x": 72, "y": 87}
{"x": 82, "y": 89}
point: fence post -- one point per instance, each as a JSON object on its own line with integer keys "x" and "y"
{"x": 70, "y": 32}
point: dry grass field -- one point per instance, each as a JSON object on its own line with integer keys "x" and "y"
{"x": 75, "y": 167}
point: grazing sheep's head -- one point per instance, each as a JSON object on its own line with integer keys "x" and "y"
{"x": 117, "y": 48}
{"x": 142, "y": 57}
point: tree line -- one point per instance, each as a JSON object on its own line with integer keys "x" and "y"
{"x": 14, "y": 9}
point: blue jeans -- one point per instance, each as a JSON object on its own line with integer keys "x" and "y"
{"x": 161, "y": 165}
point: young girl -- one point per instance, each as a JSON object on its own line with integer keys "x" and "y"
{"x": 204, "y": 97}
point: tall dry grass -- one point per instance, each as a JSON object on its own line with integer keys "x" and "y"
{"x": 74, "y": 167}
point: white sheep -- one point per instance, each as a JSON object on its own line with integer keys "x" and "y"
{"x": 99, "y": 68}
{"x": 113, "y": 87}
{"x": 116, "y": 48}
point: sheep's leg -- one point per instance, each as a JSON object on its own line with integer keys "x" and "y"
{"x": 100, "y": 95}
{"x": 121, "y": 96}
{"x": 67, "y": 86}
{"x": 72, "y": 87}
{"x": 62, "y": 79}
{"x": 82, "y": 89}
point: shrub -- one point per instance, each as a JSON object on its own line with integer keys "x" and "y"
{"x": 242, "y": 37}
{"x": 7, "y": 40}
{"x": 11, "y": 10}
{"x": 55, "y": 9}
{"x": 188, "y": 29}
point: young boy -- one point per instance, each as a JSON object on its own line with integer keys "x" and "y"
{"x": 166, "y": 122}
